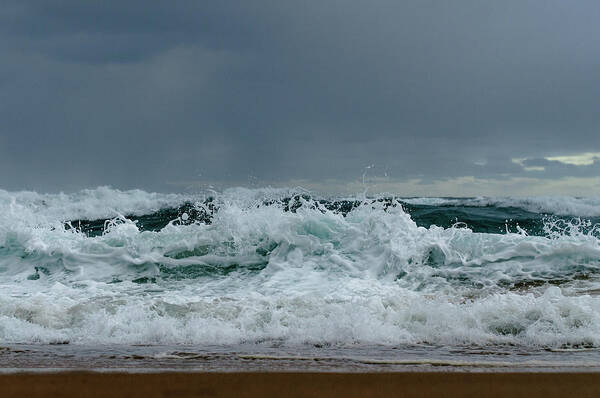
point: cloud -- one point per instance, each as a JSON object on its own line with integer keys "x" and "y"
{"x": 138, "y": 94}
{"x": 550, "y": 167}
{"x": 582, "y": 159}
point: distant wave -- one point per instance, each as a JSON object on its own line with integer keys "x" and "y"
{"x": 557, "y": 205}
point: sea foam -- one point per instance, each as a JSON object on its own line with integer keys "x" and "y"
{"x": 265, "y": 269}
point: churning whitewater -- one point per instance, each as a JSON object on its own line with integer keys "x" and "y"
{"x": 281, "y": 266}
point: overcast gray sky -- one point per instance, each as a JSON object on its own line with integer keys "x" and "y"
{"x": 415, "y": 97}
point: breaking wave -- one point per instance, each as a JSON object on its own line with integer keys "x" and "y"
{"x": 109, "y": 266}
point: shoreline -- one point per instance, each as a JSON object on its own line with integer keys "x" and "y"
{"x": 294, "y": 384}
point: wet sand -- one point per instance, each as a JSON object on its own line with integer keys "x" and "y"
{"x": 90, "y": 384}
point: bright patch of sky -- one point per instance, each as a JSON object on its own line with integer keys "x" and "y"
{"x": 582, "y": 159}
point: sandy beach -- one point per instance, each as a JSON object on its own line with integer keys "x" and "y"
{"x": 90, "y": 384}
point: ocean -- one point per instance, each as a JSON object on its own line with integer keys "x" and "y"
{"x": 272, "y": 279}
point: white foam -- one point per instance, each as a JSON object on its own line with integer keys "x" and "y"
{"x": 397, "y": 317}
{"x": 428, "y": 201}
{"x": 102, "y": 202}
{"x": 372, "y": 277}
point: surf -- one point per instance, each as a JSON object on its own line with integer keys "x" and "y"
{"x": 285, "y": 266}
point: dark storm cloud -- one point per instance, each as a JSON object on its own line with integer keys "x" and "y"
{"x": 137, "y": 94}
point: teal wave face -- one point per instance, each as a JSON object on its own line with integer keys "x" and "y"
{"x": 480, "y": 219}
